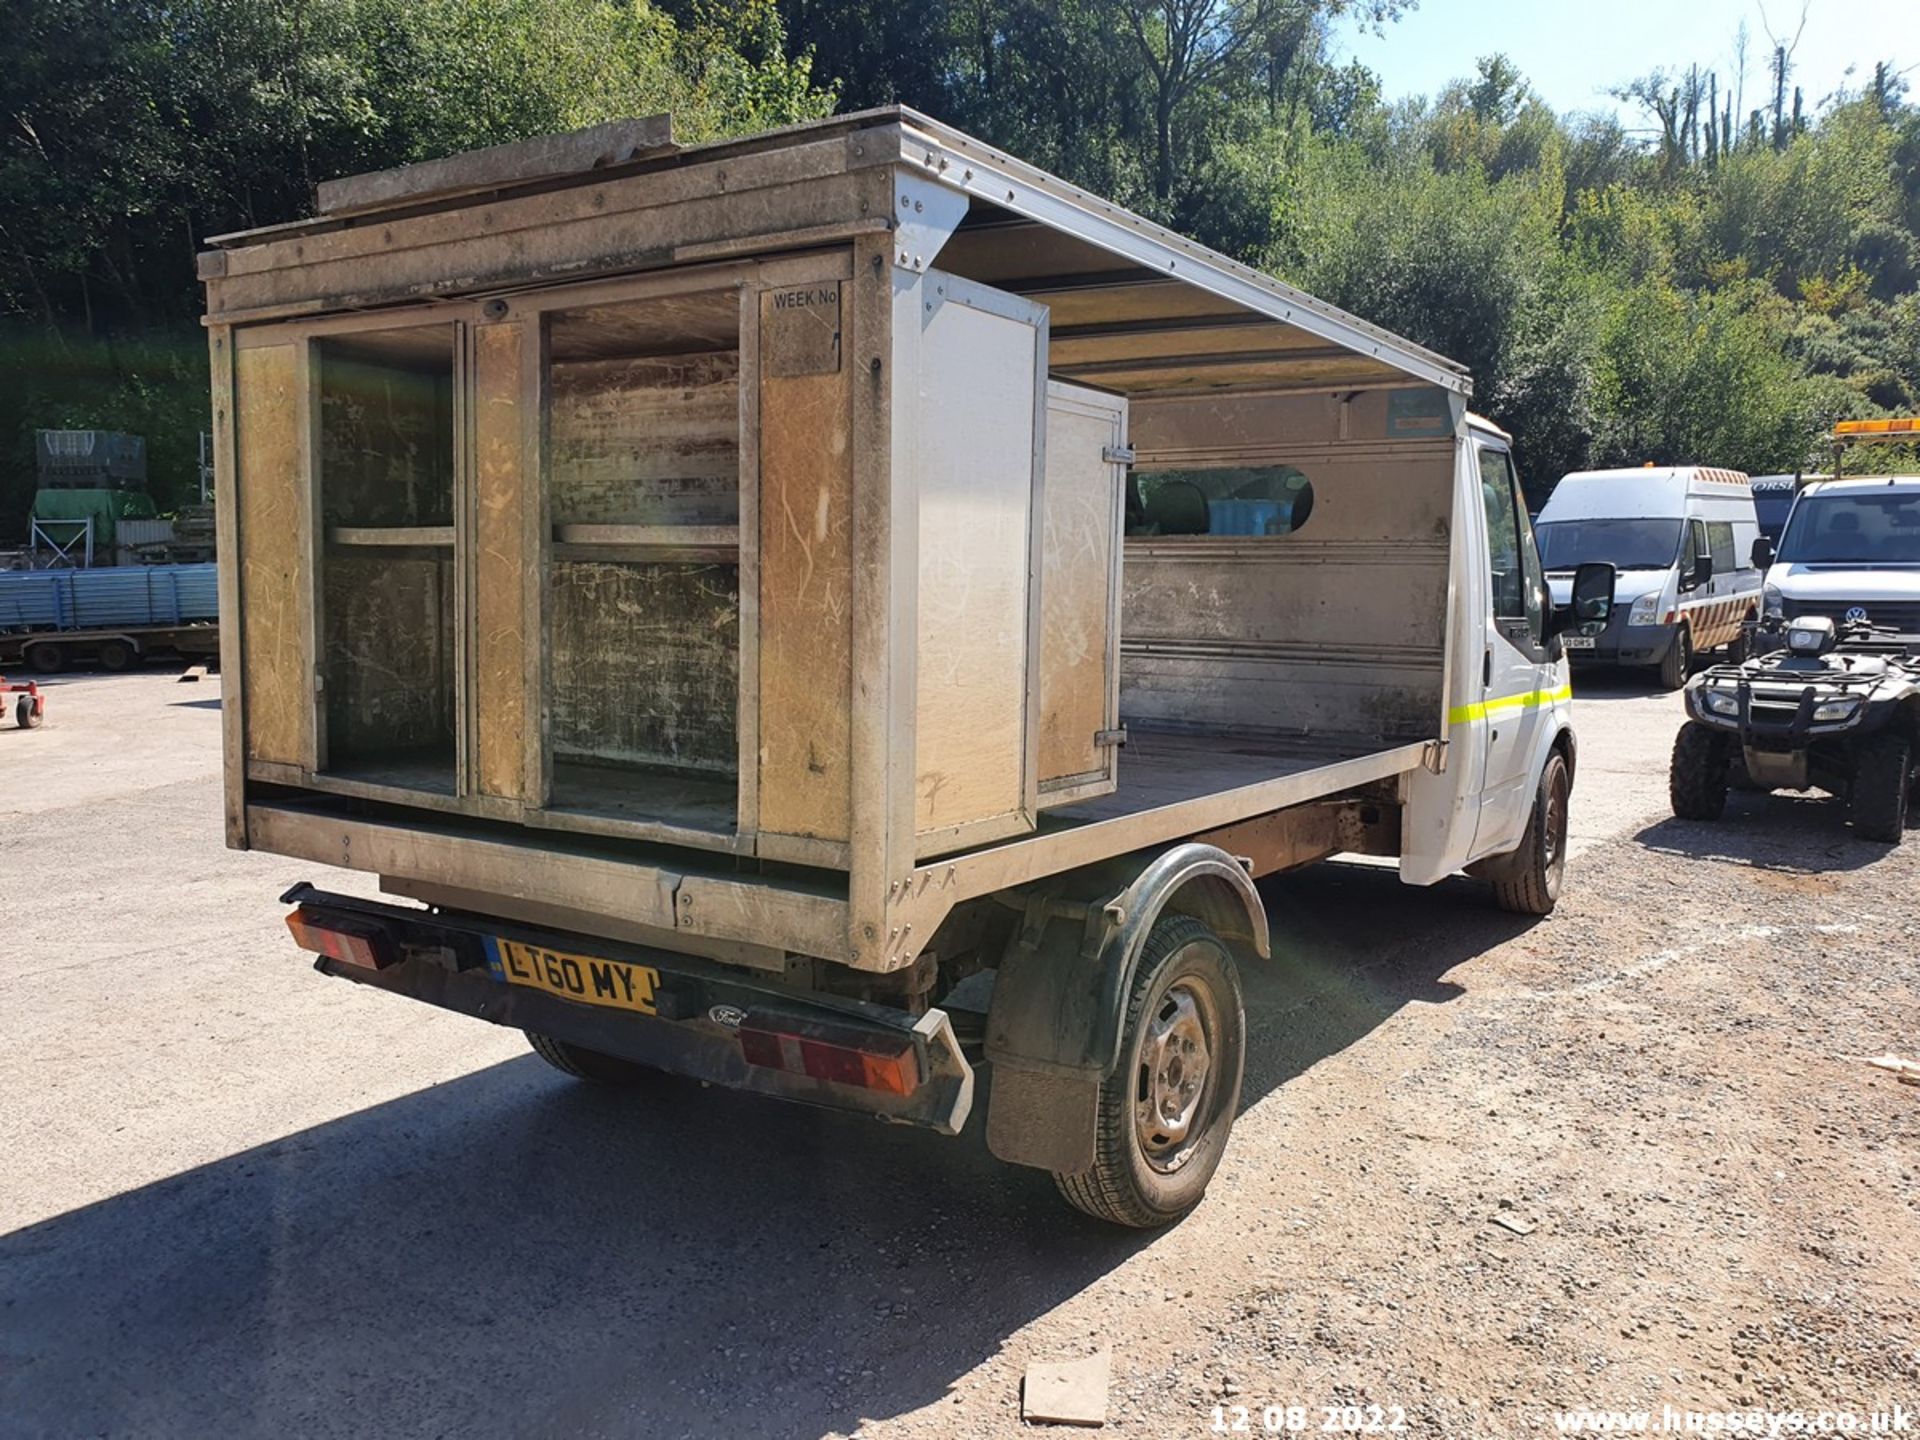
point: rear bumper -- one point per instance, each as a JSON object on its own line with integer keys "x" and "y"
{"x": 445, "y": 958}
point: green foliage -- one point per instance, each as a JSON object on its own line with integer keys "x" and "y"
{"x": 1720, "y": 293}
{"x": 131, "y": 130}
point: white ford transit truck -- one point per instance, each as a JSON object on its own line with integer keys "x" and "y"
{"x": 826, "y": 611}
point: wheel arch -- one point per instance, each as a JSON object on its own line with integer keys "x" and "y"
{"x": 1054, "y": 1025}
{"x": 1568, "y": 746}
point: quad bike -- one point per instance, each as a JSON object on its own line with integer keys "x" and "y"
{"x": 1817, "y": 706}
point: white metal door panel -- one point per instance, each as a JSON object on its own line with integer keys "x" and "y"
{"x": 979, "y": 445}
{"x": 1084, "y": 511}
{"x": 1517, "y": 699}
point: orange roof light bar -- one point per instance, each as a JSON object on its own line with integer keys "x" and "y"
{"x": 1906, "y": 427}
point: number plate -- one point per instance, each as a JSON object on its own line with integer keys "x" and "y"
{"x": 1578, "y": 642}
{"x": 615, "y": 984}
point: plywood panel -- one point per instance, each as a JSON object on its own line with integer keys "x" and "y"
{"x": 386, "y": 433}
{"x": 389, "y": 656}
{"x": 645, "y": 664}
{"x": 976, "y": 484}
{"x": 1078, "y": 576}
{"x": 272, "y": 561}
{"x": 652, "y": 441}
{"x": 806, "y": 587}
{"x": 502, "y": 487}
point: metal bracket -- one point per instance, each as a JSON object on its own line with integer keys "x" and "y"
{"x": 925, "y": 216}
{"x": 1109, "y": 739}
{"x": 1118, "y": 455}
{"x": 1434, "y": 757}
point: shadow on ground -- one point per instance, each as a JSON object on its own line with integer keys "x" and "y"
{"x": 516, "y": 1253}
{"x": 1787, "y": 832}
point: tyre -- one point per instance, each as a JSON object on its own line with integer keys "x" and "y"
{"x": 1529, "y": 882}
{"x": 47, "y": 659}
{"x": 115, "y": 655}
{"x": 1166, "y": 1110}
{"x": 1882, "y": 783}
{"x": 1678, "y": 665}
{"x": 585, "y": 1064}
{"x": 24, "y": 715}
{"x": 1697, "y": 778}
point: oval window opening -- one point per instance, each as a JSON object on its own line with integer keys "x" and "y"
{"x": 1268, "y": 500}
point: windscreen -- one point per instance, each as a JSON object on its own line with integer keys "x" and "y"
{"x": 1860, "y": 527}
{"x": 1625, "y": 544}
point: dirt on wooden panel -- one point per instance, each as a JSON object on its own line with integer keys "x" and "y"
{"x": 389, "y": 655}
{"x": 271, "y": 568}
{"x": 806, "y": 593}
{"x": 501, "y": 490}
{"x": 652, "y": 441}
{"x": 386, "y": 442}
{"x": 1079, "y": 534}
{"x": 646, "y": 664}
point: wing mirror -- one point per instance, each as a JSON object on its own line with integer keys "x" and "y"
{"x": 1702, "y": 570}
{"x": 1762, "y": 553}
{"x": 1590, "y": 605}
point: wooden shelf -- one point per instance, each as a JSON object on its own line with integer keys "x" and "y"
{"x": 414, "y": 535}
{"x": 649, "y": 537}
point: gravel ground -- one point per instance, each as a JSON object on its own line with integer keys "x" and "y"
{"x": 242, "y": 1199}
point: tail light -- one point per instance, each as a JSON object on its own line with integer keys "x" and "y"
{"x": 871, "y": 1062}
{"x": 350, "y": 942}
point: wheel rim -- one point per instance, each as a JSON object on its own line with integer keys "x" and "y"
{"x": 1174, "y": 1081}
{"x": 1554, "y": 842}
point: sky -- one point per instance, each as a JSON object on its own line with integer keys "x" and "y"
{"x": 1573, "y": 51}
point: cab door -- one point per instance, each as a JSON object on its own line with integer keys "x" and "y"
{"x": 1516, "y": 672}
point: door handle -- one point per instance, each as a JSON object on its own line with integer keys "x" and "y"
{"x": 1486, "y": 668}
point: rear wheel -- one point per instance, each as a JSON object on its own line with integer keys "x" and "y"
{"x": 1166, "y": 1110}
{"x": 1529, "y": 883}
{"x": 1697, "y": 778}
{"x": 585, "y": 1064}
{"x": 1882, "y": 783}
{"x": 1678, "y": 665}
{"x": 46, "y": 658}
{"x": 116, "y": 655}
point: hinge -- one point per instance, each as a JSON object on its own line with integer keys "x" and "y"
{"x": 1117, "y": 454}
{"x": 1107, "y": 739}
{"x": 1434, "y": 757}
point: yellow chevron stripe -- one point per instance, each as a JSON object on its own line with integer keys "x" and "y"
{"x": 1506, "y": 704}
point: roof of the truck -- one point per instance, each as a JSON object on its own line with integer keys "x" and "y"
{"x": 1108, "y": 275}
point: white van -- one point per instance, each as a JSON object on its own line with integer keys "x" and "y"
{"x": 1681, "y": 537}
